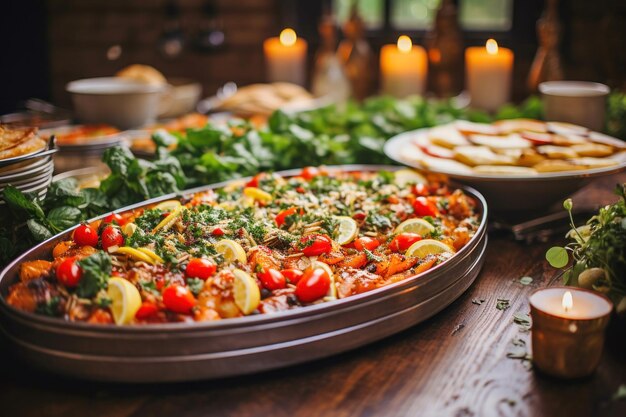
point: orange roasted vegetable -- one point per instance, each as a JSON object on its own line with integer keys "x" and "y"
{"x": 34, "y": 269}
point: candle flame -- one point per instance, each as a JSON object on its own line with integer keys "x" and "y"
{"x": 492, "y": 47}
{"x": 288, "y": 37}
{"x": 404, "y": 44}
{"x": 568, "y": 301}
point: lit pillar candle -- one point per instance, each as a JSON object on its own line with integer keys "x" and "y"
{"x": 488, "y": 75}
{"x": 285, "y": 58}
{"x": 568, "y": 330}
{"x": 403, "y": 68}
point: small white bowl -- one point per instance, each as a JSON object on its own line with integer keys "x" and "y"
{"x": 117, "y": 101}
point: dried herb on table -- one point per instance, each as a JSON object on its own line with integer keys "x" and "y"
{"x": 522, "y": 320}
{"x": 502, "y": 304}
{"x": 525, "y": 280}
{"x": 518, "y": 350}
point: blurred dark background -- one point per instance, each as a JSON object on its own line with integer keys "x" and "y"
{"x": 47, "y": 43}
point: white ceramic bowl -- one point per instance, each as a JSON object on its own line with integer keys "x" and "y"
{"x": 117, "y": 101}
{"x": 181, "y": 97}
{"x": 516, "y": 196}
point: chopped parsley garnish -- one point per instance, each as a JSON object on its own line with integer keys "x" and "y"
{"x": 149, "y": 286}
{"x": 195, "y": 285}
{"x": 149, "y": 219}
{"x": 379, "y": 221}
{"x": 50, "y": 307}
{"x": 371, "y": 257}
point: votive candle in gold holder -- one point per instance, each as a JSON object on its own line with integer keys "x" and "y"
{"x": 568, "y": 330}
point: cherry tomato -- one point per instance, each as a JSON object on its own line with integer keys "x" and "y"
{"x": 308, "y": 173}
{"x": 85, "y": 235}
{"x": 272, "y": 279}
{"x": 403, "y": 241}
{"x": 359, "y": 216}
{"x": 200, "y": 268}
{"x": 178, "y": 299}
{"x": 280, "y": 217}
{"x": 114, "y": 217}
{"x": 69, "y": 273}
{"x": 254, "y": 182}
{"x": 366, "y": 243}
{"x": 293, "y": 275}
{"x": 159, "y": 282}
{"x": 314, "y": 284}
{"x": 146, "y": 310}
{"x": 111, "y": 236}
{"x": 314, "y": 245}
{"x": 423, "y": 207}
{"x": 217, "y": 232}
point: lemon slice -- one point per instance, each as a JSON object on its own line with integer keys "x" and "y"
{"x": 167, "y": 222}
{"x": 168, "y": 205}
{"x": 234, "y": 186}
{"x": 125, "y": 300}
{"x": 156, "y": 258}
{"x": 403, "y": 177}
{"x": 227, "y": 205}
{"x": 419, "y": 226}
{"x": 129, "y": 229}
{"x": 135, "y": 254}
{"x": 346, "y": 231}
{"x": 246, "y": 292}
{"x": 257, "y": 194}
{"x": 231, "y": 251}
{"x": 426, "y": 247}
{"x": 332, "y": 291}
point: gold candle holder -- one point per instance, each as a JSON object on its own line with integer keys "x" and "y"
{"x": 568, "y": 330}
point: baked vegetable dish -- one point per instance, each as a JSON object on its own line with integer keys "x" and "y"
{"x": 260, "y": 247}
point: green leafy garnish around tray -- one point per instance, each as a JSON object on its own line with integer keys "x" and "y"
{"x": 598, "y": 251}
{"x": 27, "y": 219}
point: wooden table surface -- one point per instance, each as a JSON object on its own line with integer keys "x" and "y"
{"x": 454, "y": 364}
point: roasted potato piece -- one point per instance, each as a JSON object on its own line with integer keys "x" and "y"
{"x": 34, "y": 269}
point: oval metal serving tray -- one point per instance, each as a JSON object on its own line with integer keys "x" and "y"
{"x": 192, "y": 351}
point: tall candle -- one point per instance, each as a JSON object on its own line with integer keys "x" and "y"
{"x": 285, "y": 58}
{"x": 488, "y": 75}
{"x": 568, "y": 330}
{"x": 403, "y": 68}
